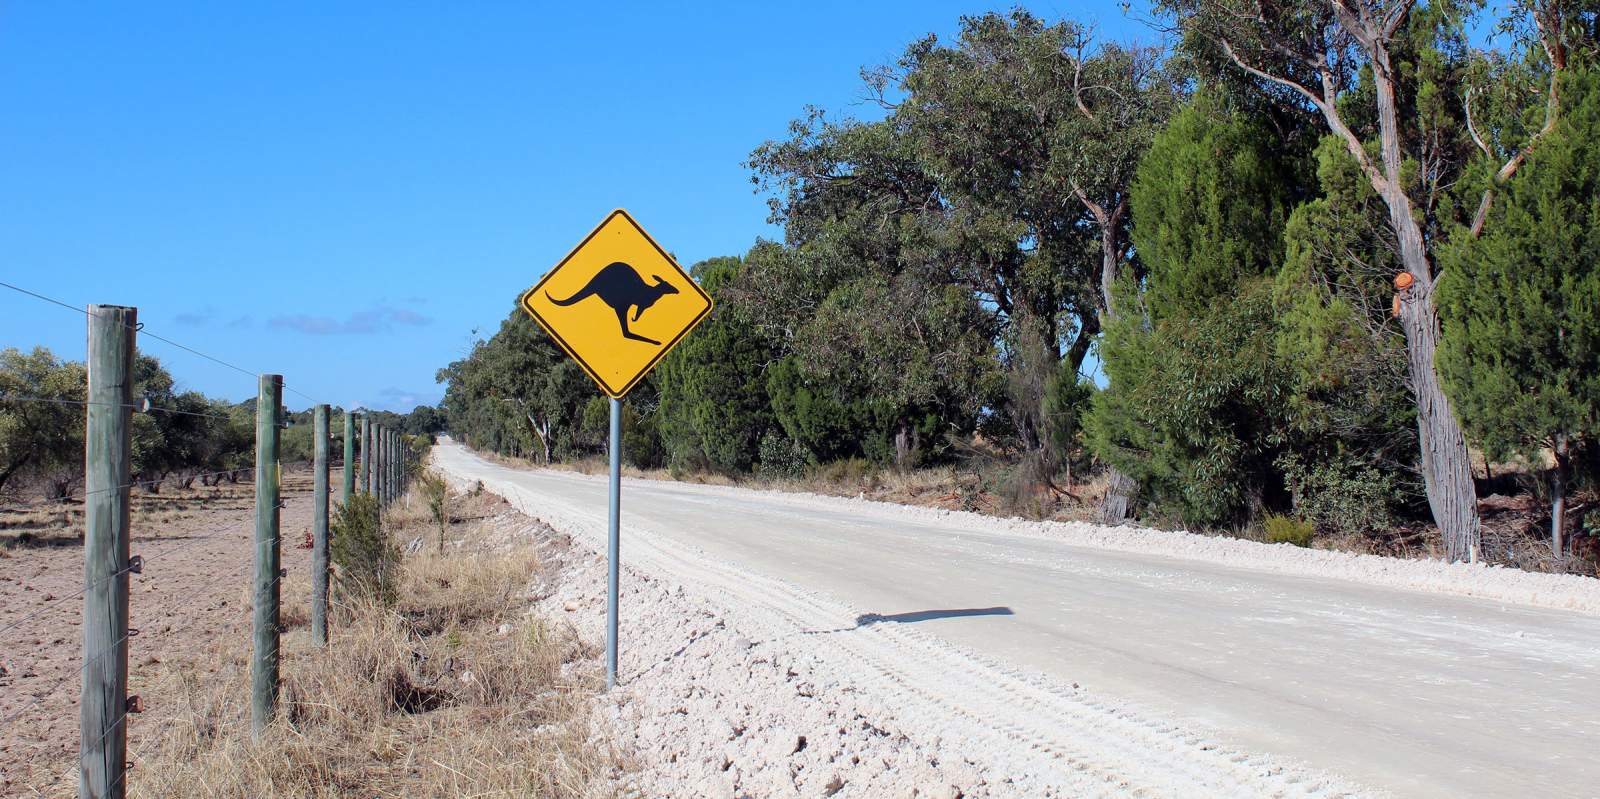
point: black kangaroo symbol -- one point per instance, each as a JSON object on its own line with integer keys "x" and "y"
{"x": 619, "y": 286}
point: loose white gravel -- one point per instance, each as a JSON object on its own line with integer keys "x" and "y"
{"x": 724, "y": 696}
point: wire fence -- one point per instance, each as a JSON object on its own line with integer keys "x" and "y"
{"x": 233, "y": 543}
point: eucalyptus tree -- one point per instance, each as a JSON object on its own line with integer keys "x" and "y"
{"x": 1392, "y": 81}
{"x": 1001, "y": 167}
{"x": 517, "y": 391}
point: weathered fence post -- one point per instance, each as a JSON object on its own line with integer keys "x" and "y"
{"x": 349, "y": 456}
{"x": 394, "y": 465}
{"x": 380, "y": 466}
{"x": 102, "y": 711}
{"x": 264, "y": 660}
{"x": 378, "y": 463}
{"x": 389, "y": 466}
{"x": 399, "y": 468}
{"x": 366, "y": 453}
{"x": 385, "y": 462}
{"x": 319, "y": 529}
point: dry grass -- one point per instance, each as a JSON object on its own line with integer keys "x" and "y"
{"x": 452, "y": 691}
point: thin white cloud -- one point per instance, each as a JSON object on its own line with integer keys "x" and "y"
{"x": 373, "y": 320}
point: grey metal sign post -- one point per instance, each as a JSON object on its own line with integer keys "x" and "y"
{"x": 614, "y": 543}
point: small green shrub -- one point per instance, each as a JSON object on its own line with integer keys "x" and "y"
{"x": 437, "y": 495}
{"x": 1286, "y": 530}
{"x": 359, "y": 546}
{"x": 781, "y": 457}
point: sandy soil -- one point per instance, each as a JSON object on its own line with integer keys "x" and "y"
{"x": 197, "y": 546}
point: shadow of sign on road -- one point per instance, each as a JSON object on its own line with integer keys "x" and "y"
{"x": 869, "y": 619}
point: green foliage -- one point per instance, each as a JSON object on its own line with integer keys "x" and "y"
{"x": 40, "y": 437}
{"x": 361, "y": 549}
{"x": 1285, "y": 530}
{"x": 781, "y": 457}
{"x": 1348, "y": 404}
{"x": 1067, "y": 399}
{"x": 518, "y": 393}
{"x": 1209, "y": 205}
{"x": 1194, "y": 410}
{"x": 713, "y": 400}
{"x": 1520, "y": 307}
{"x": 641, "y": 442}
{"x": 436, "y": 493}
{"x": 1345, "y": 496}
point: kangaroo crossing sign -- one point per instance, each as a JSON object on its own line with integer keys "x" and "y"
{"x": 617, "y": 303}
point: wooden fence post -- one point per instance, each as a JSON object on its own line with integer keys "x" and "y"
{"x": 103, "y": 707}
{"x": 377, "y": 463}
{"x": 370, "y": 460}
{"x": 399, "y": 467}
{"x": 264, "y": 660}
{"x": 319, "y": 530}
{"x": 349, "y": 457}
{"x": 366, "y": 453}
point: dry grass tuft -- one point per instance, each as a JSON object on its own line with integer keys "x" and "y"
{"x": 451, "y": 691}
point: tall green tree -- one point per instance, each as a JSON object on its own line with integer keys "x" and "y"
{"x": 1353, "y": 468}
{"x": 1388, "y": 78}
{"x": 1194, "y": 408}
{"x": 1521, "y": 305}
{"x": 995, "y": 186}
{"x": 713, "y": 407}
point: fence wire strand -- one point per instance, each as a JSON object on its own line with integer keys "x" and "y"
{"x": 134, "y": 405}
{"x": 150, "y": 334}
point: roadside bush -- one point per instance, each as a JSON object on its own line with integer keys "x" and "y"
{"x": 1342, "y": 498}
{"x": 781, "y": 457}
{"x": 1285, "y": 530}
{"x": 365, "y": 558}
{"x": 437, "y": 495}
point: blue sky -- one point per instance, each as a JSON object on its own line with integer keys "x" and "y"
{"x": 343, "y": 192}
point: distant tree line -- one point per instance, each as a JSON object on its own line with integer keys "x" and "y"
{"x": 178, "y": 436}
{"x": 1318, "y": 250}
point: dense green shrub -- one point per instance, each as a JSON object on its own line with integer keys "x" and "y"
{"x": 781, "y": 457}
{"x": 1343, "y": 497}
{"x": 360, "y": 547}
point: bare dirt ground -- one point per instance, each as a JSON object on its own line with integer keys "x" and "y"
{"x": 197, "y": 545}
{"x": 451, "y": 687}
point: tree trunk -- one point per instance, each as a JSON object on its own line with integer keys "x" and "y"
{"x": 1118, "y": 501}
{"x": 1446, "y": 464}
{"x": 541, "y": 432}
{"x": 1558, "y": 497}
{"x": 1117, "y": 504}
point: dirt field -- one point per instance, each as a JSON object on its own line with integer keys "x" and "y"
{"x": 192, "y": 595}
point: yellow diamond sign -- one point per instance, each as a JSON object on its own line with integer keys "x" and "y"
{"x": 617, "y": 303}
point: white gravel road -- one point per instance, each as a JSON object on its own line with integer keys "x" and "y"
{"x": 1119, "y": 661}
